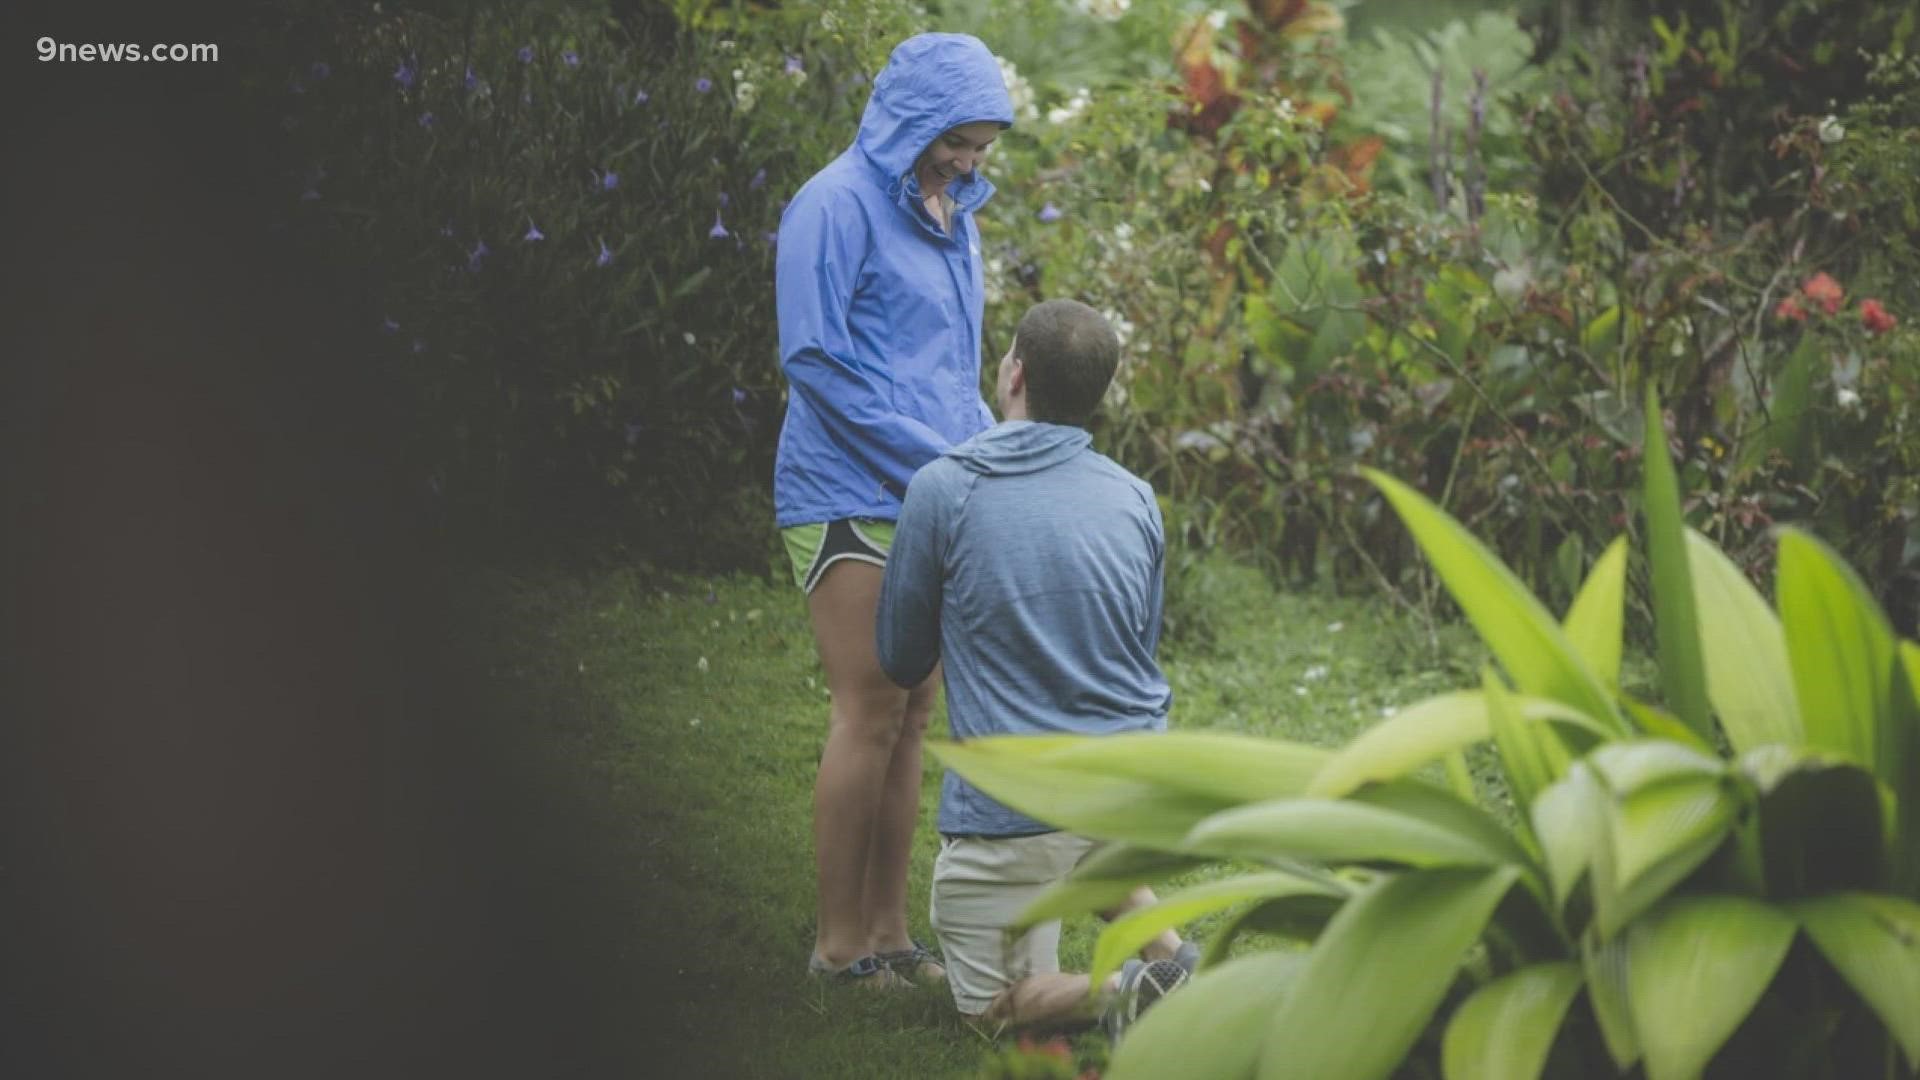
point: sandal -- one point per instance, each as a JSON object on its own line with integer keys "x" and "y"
{"x": 917, "y": 963}
{"x": 868, "y": 971}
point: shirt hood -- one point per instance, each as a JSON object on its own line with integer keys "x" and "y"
{"x": 1020, "y": 446}
{"x": 932, "y": 83}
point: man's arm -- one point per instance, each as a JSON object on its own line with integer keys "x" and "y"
{"x": 908, "y": 628}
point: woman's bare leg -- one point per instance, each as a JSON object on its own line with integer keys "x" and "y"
{"x": 892, "y": 846}
{"x": 864, "y": 727}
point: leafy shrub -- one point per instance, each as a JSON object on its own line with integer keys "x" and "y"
{"x": 1656, "y": 901}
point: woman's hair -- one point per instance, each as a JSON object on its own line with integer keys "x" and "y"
{"x": 1069, "y": 353}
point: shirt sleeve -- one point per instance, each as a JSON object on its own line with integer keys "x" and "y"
{"x": 819, "y": 255}
{"x": 1157, "y": 582}
{"x": 907, "y": 630}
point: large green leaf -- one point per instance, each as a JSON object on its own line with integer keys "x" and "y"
{"x": 1375, "y": 976}
{"x": 1567, "y": 822}
{"x": 1682, "y": 672}
{"x": 1605, "y": 964}
{"x": 1874, "y": 942}
{"x": 1340, "y": 831}
{"x": 1125, "y": 935}
{"x": 1505, "y": 1030}
{"x": 1631, "y": 765}
{"x": 1523, "y": 636}
{"x": 1745, "y": 651}
{"x": 1426, "y": 732}
{"x": 1103, "y": 880}
{"x": 1654, "y": 838}
{"x": 1819, "y": 823}
{"x": 1841, "y": 651}
{"x": 1596, "y": 620}
{"x": 1140, "y": 789}
{"x": 1531, "y": 756}
{"x": 1440, "y": 807}
{"x": 1900, "y": 745}
{"x": 1696, "y": 965}
{"x": 1232, "y": 1004}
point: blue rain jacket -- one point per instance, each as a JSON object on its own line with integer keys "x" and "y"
{"x": 879, "y": 309}
{"x": 1033, "y": 566}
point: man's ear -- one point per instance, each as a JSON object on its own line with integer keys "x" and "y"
{"x": 1016, "y": 375}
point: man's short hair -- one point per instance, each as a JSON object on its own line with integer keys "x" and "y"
{"x": 1069, "y": 353}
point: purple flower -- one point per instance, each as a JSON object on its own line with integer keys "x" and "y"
{"x": 570, "y": 58}
{"x": 320, "y": 70}
{"x": 719, "y": 230}
{"x": 447, "y": 229}
{"x": 389, "y": 326}
{"x": 404, "y": 75}
{"x": 759, "y": 181}
{"x": 609, "y": 180}
{"x": 419, "y": 345}
{"x": 606, "y": 257}
{"x": 296, "y": 87}
{"x": 477, "y": 255}
{"x": 525, "y": 54}
{"x": 639, "y": 97}
{"x": 739, "y": 396}
{"x": 794, "y": 66}
{"x": 723, "y": 200}
{"x": 703, "y": 84}
{"x": 426, "y": 119}
{"x": 1050, "y": 213}
{"x": 472, "y": 80}
{"x": 533, "y": 233}
{"x": 771, "y": 238}
{"x": 526, "y": 99}
{"x": 633, "y": 430}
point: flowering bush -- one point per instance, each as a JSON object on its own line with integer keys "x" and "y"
{"x": 566, "y": 229}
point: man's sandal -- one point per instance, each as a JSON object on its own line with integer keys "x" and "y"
{"x": 867, "y": 972}
{"x": 916, "y": 964}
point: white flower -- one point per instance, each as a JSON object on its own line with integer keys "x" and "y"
{"x": 702, "y": 665}
{"x": 828, "y": 22}
{"x": 994, "y": 273}
{"x": 1831, "y": 130}
{"x": 1018, "y": 90}
{"x": 1285, "y": 109}
{"x": 1315, "y": 673}
{"x": 1217, "y": 19}
{"x": 1107, "y": 10}
{"x": 689, "y": 338}
{"x": 1847, "y": 397}
{"x": 1061, "y": 114}
{"x": 1122, "y": 329}
{"x": 1123, "y": 238}
{"x": 744, "y": 95}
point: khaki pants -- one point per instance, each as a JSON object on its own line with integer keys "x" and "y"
{"x": 980, "y": 885}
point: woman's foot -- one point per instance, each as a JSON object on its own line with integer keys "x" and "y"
{"x": 867, "y": 972}
{"x": 916, "y": 963}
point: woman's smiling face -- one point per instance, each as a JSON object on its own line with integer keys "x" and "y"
{"x": 955, "y": 153}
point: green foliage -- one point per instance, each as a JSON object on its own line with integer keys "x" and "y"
{"x": 1644, "y": 908}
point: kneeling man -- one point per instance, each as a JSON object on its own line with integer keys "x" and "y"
{"x": 1033, "y": 566}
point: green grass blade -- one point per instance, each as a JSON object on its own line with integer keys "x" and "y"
{"x": 1682, "y": 672}
{"x": 1341, "y": 831}
{"x": 1139, "y": 789}
{"x": 1233, "y": 1004}
{"x": 1505, "y": 1030}
{"x": 1696, "y": 966}
{"x": 1596, "y": 620}
{"x": 1125, "y": 935}
{"x": 1874, "y": 942}
{"x": 1376, "y": 975}
{"x": 1523, "y": 636}
{"x": 1427, "y": 732}
{"x": 1748, "y": 679}
{"x": 1840, "y": 647}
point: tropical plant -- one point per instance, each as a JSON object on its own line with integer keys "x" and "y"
{"x": 1724, "y": 883}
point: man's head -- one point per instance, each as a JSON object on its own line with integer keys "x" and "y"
{"x": 1063, "y": 356}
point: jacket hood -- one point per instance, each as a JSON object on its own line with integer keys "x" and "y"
{"x": 932, "y": 83}
{"x": 1020, "y": 446}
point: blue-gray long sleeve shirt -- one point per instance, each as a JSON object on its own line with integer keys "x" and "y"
{"x": 1033, "y": 566}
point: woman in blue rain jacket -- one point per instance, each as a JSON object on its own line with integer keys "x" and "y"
{"x": 880, "y": 297}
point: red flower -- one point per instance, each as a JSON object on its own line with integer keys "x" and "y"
{"x": 1824, "y": 291}
{"x": 1789, "y": 308}
{"x": 1875, "y": 318}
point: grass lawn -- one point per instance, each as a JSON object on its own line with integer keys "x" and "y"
{"x": 675, "y": 724}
